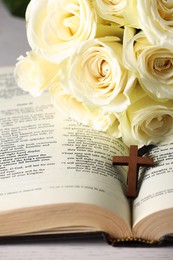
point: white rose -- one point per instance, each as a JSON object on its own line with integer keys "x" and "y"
{"x": 131, "y": 14}
{"x": 96, "y": 75}
{"x": 156, "y": 20}
{"x": 111, "y": 10}
{"x": 56, "y": 27}
{"x": 147, "y": 121}
{"x": 33, "y": 73}
{"x": 93, "y": 116}
{"x": 152, "y": 64}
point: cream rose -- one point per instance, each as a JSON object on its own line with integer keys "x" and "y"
{"x": 131, "y": 15}
{"x": 56, "y": 27}
{"x": 93, "y": 116}
{"x": 96, "y": 75}
{"x": 111, "y": 10}
{"x": 156, "y": 20}
{"x": 33, "y": 73}
{"x": 152, "y": 64}
{"x": 147, "y": 121}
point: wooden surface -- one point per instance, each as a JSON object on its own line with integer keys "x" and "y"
{"x": 78, "y": 250}
{"x": 12, "y": 44}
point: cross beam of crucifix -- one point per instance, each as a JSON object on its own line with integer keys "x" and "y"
{"x": 133, "y": 161}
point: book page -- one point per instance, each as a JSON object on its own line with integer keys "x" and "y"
{"x": 156, "y": 192}
{"x": 47, "y": 158}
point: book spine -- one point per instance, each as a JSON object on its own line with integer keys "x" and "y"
{"x": 129, "y": 240}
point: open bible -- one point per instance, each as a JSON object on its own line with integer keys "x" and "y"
{"x": 57, "y": 176}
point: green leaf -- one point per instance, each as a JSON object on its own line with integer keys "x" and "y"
{"x": 17, "y": 7}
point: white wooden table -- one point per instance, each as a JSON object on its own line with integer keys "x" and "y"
{"x": 13, "y": 43}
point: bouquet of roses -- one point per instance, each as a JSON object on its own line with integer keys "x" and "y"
{"x": 106, "y": 63}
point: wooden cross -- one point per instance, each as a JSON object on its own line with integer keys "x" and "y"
{"x": 133, "y": 161}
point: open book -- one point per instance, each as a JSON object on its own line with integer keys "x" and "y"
{"x": 56, "y": 176}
